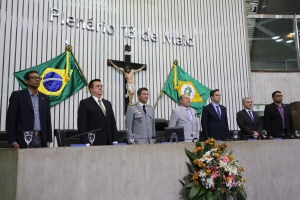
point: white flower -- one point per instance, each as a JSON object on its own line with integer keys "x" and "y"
{"x": 222, "y": 164}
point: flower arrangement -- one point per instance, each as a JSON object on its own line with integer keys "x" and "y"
{"x": 213, "y": 174}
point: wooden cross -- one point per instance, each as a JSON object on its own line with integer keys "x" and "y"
{"x": 128, "y": 79}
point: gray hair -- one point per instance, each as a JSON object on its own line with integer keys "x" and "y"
{"x": 244, "y": 99}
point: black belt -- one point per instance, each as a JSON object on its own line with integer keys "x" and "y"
{"x": 37, "y": 133}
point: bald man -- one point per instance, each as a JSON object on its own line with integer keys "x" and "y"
{"x": 186, "y": 117}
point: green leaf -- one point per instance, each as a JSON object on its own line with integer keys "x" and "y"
{"x": 198, "y": 143}
{"x": 189, "y": 185}
{"x": 202, "y": 197}
{"x": 241, "y": 195}
{"x": 194, "y": 191}
{"x": 203, "y": 191}
{"x": 190, "y": 155}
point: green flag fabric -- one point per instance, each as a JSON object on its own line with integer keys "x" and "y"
{"x": 60, "y": 77}
{"x": 180, "y": 82}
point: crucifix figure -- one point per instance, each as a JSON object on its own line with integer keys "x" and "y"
{"x": 128, "y": 74}
{"x": 128, "y": 71}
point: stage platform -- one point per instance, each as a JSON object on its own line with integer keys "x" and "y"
{"x": 140, "y": 172}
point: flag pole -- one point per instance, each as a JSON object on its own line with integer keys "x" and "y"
{"x": 69, "y": 48}
{"x": 161, "y": 91}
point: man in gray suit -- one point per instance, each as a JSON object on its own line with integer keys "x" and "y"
{"x": 140, "y": 119}
{"x": 186, "y": 117}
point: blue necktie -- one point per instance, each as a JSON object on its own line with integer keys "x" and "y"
{"x": 251, "y": 116}
{"x": 218, "y": 111}
{"x": 188, "y": 113}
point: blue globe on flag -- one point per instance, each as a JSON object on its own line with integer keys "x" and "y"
{"x": 52, "y": 82}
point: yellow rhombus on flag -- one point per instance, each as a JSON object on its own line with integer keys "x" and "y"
{"x": 180, "y": 82}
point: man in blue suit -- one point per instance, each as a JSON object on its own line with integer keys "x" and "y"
{"x": 214, "y": 118}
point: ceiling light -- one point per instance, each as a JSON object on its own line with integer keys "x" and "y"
{"x": 289, "y": 41}
{"x": 279, "y": 40}
{"x": 275, "y": 37}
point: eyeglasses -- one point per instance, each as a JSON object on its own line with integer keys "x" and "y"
{"x": 35, "y": 78}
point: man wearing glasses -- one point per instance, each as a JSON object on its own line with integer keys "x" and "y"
{"x": 96, "y": 113}
{"x": 278, "y": 118}
{"x": 29, "y": 110}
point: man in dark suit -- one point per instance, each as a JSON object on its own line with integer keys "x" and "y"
{"x": 248, "y": 121}
{"x": 214, "y": 118}
{"x": 278, "y": 118}
{"x": 29, "y": 110}
{"x": 97, "y": 113}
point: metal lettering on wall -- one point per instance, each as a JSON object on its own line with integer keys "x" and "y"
{"x": 128, "y": 30}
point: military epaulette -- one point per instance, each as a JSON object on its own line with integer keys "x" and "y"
{"x": 132, "y": 104}
{"x": 149, "y": 105}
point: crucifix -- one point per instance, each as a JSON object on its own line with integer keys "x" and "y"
{"x": 128, "y": 71}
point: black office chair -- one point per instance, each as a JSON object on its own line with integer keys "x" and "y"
{"x": 234, "y": 135}
{"x": 3, "y": 140}
{"x": 160, "y": 125}
{"x": 63, "y": 137}
{"x": 201, "y": 138}
{"x": 122, "y": 136}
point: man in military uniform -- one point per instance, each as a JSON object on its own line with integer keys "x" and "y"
{"x": 140, "y": 119}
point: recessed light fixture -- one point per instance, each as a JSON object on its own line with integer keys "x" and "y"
{"x": 275, "y": 37}
{"x": 289, "y": 41}
{"x": 279, "y": 40}
{"x": 292, "y": 33}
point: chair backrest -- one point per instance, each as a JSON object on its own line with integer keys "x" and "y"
{"x": 160, "y": 125}
{"x": 4, "y": 140}
{"x": 63, "y": 137}
{"x": 122, "y": 134}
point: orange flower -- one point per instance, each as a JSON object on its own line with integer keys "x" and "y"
{"x": 198, "y": 149}
{"x": 231, "y": 157}
{"x": 244, "y": 180}
{"x": 216, "y": 155}
{"x": 196, "y": 182}
{"x": 222, "y": 190}
{"x": 227, "y": 179}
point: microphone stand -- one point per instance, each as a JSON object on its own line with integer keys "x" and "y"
{"x": 82, "y": 134}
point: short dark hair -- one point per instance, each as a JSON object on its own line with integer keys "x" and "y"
{"x": 273, "y": 94}
{"x": 91, "y": 83}
{"x": 27, "y": 75}
{"x": 139, "y": 92}
{"x": 212, "y": 93}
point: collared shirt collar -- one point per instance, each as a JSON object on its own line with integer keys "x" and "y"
{"x": 96, "y": 98}
{"x": 247, "y": 110}
{"x": 142, "y": 104}
{"x": 31, "y": 94}
{"x": 215, "y": 104}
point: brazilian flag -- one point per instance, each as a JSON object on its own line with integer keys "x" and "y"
{"x": 179, "y": 82}
{"x": 61, "y": 77}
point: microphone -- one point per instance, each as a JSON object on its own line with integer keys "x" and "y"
{"x": 81, "y": 134}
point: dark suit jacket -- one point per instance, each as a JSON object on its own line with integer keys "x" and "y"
{"x": 273, "y": 121}
{"x": 246, "y": 125}
{"x": 212, "y": 126}
{"x": 20, "y": 117}
{"x": 91, "y": 117}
